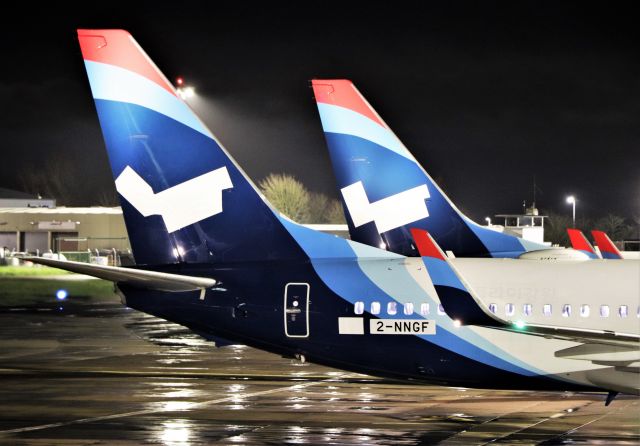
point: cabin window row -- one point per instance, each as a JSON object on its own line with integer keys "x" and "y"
{"x": 393, "y": 308}
{"x": 566, "y": 310}
{"x": 423, "y": 309}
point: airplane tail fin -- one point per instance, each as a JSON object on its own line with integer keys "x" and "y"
{"x": 580, "y": 243}
{"x": 607, "y": 249}
{"x": 457, "y": 298}
{"x": 183, "y": 197}
{"x": 385, "y": 190}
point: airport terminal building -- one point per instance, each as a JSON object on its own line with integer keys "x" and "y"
{"x": 37, "y": 230}
{"x": 34, "y": 225}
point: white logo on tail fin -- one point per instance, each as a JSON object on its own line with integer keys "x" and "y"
{"x": 388, "y": 213}
{"x": 181, "y": 205}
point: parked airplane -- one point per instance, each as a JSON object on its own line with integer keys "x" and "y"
{"x": 385, "y": 191}
{"x": 213, "y": 255}
{"x": 580, "y": 243}
{"x": 465, "y": 306}
{"x": 607, "y": 249}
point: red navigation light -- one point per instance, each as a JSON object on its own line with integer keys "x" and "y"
{"x": 180, "y": 81}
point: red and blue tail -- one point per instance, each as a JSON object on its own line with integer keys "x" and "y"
{"x": 384, "y": 189}
{"x": 580, "y": 243}
{"x": 607, "y": 249}
{"x": 456, "y": 296}
{"x": 183, "y": 197}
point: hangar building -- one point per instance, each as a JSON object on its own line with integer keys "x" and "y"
{"x": 63, "y": 229}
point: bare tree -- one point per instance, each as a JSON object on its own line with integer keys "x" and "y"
{"x": 555, "y": 228}
{"x": 288, "y": 195}
{"x": 615, "y": 226}
{"x": 56, "y": 179}
{"x": 292, "y": 199}
{"x": 325, "y": 210}
{"x": 318, "y": 207}
{"x": 108, "y": 197}
{"x": 335, "y": 213}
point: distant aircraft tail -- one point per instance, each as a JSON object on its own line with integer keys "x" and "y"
{"x": 607, "y": 249}
{"x": 456, "y": 296}
{"x": 183, "y": 197}
{"x": 580, "y": 243}
{"x": 384, "y": 189}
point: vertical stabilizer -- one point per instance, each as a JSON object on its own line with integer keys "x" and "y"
{"x": 384, "y": 189}
{"x": 183, "y": 197}
{"x": 607, "y": 248}
{"x": 580, "y": 243}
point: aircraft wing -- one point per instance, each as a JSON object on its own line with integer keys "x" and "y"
{"x": 461, "y": 303}
{"x": 141, "y": 278}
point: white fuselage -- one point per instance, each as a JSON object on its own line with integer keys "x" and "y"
{"x": 592, "y": 295}
{"x": 521, "y": 282}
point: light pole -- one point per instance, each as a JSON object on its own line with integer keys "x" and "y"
{"x": 572, "y": 201}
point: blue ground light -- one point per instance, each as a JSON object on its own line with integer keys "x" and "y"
{"x": 61, "y": 294}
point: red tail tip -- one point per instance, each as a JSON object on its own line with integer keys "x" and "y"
{"x": 579, "y": 241}
{"x": 427, "y": 247}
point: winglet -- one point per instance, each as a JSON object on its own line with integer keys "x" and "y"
{"x": 427, "y": 247}
{"x": 606, "y": 246}
{"x": 580, "y": 243}
{"x": 458, "y": 300}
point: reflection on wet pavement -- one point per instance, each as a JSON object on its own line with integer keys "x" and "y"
{"x": 98, "y": 373}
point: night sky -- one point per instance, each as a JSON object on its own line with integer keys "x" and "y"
{"x": 485, "y": 95}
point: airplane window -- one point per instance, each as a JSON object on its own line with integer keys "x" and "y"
{"x": 493, "y": 308}
{"x": 408, "y": 308}
{"x": 527, "y": 309}
{"x": 566, "y": 310}
{"x": 623, "y": 311}
{"x": 441, "y": 311}
{"x": 509, "y": 309}
{"x": 584, "y": 310}
{"x": 604, "y": 310}
{"x": 392, "y": 308}
{"x": 546, "y": 309}
{"x": 424, "y": 309}
{"x": 375, "y": 307}
{"x": 359, "y": 307}
{"x": 638, "y": 313}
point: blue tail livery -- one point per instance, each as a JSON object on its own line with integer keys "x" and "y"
{"x": 214, "y": 256}
{"x": 384, "y": 189}
{"x": 182, "y": 197}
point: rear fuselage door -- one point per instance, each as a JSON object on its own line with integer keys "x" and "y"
{"x": 296, "y": 310}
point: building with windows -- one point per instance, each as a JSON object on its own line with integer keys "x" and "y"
{"x": 16, "y": 199}
{"x": 62, "y": 229}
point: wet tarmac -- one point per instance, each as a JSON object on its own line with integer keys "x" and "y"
{"x": 96, "y": 373}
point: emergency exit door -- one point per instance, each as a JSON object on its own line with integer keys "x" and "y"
{"x": 296, "y": 310}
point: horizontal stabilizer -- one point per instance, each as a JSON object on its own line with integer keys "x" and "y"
{"x": 601, "y": 353}
{"x": 140, "y": 278}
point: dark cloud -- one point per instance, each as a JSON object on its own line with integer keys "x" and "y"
{"x": 485, "y": 94}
